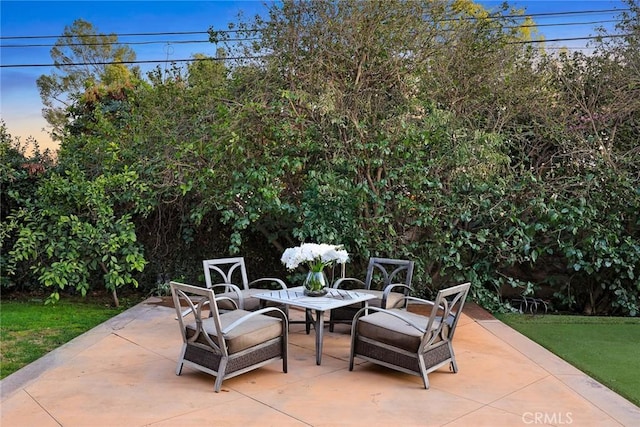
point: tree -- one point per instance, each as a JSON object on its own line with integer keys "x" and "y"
{"x": 83, "y": 58}
{"x": 593, "y": 171}
{"x": 424, "y": 129}
{"x": 420, "y": 130}
{"x": 74, "y": 229}
{"x": 617, "y": 73}
{"x": 22, "y": 168}
{"x": 334, "y": 91}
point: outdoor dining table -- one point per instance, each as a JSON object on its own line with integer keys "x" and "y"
{"x": 333, "y": 299}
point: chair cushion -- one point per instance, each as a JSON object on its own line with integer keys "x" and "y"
{"x": 394, "y": 299}
{"x": 255, "y": 331}
{"x": 250, "y": 303}
{"x": 388, "y": 329}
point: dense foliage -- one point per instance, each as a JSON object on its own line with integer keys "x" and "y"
{"x": 422, "y": 130}
{"x": 22, "y": 167}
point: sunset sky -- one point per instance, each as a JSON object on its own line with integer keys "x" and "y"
{"x": 20, "y": 104}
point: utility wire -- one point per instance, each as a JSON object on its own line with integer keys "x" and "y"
{"x": 562, "y": 24}
{"x": 566, "y": 39}
{"x": 491, "y": 17}
{"x": 542, "y": 14}
{"x": 149, "y": 42}
{"x": 149, "y": 61}
{"x": 255, "y": 57}
{"x": 165, "y": 61}
{"x": 122, "y": 43}
{"x": 117, "y": 35}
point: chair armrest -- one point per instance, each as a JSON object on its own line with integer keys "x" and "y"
{"x": 419, "y": 300}
{"x": 391, "y": 287}
{"x": 359, "y": 284}
{"x": 234, "y": 288}
{"x": 364, "y": 310}
{"x": 422, "y": 301}
{"x": 243, "y": 319}
{"x": 269, "y": 279}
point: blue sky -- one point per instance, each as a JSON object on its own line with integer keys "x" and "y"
{"x": 20, "y": 105}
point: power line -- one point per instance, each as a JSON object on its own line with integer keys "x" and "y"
{"x": 562, "y": 24}
{"x": 149, "y": 42}
{"x": 548, "y": 14}
{"x": 174, "y": 33}
{"x": 165, "y": 61}
{"x": 122, "y": 43}
{"x": 149, "y": 61}
{"x": 493, "y": 17}
{"x": 566, "y": 39}
{"x": 109, "y": 43}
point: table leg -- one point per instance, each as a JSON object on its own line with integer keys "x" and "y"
{"x": 319, "y": 333}
{"x": 308, "y": 318}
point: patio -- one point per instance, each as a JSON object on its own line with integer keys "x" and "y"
{"x": 123, "y": 373}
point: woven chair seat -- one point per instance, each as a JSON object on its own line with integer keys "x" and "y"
{"x": 393, "y": 331}
{"x": 413, "y": 342}
{"x": 249, "y": 334}
{"x": 226, "y": 344}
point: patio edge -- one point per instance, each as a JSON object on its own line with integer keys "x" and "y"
{"x": 60, "y": 355}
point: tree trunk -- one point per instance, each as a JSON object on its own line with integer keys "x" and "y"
{"x": 116, "y": 302}
{"x": 114, "y": 294}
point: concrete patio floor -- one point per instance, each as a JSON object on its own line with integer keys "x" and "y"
{"x": 122, "y": 373}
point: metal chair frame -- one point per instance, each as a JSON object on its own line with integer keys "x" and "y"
{"x": 435, "y": 333}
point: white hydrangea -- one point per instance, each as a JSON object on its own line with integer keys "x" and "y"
{"x": 315, "y": 255}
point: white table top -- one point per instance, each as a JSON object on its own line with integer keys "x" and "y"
{"x": 334, "y": 299}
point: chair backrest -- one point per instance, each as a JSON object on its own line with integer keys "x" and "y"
{"x": 335, "y": 272}
{"x": 195, "y": 299}
{"x": 384, "y": 271}
{"x": 447, "y": 309}
{"x": 226, "y": 270}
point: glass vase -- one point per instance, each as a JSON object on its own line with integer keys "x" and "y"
{"x": 315, "y": 284}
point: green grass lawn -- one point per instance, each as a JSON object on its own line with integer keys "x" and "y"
{"x": 30, "y": 329}
{"x": 605, "y": 348}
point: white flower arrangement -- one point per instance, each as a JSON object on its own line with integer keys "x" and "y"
{"x": 316, "y": 256}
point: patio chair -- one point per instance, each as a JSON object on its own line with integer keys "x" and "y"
{"x": 231, "y": 280}
{"x": 407, "y": 340}
{"x": 387, "y": 278}
{"x": 226, "y": 344}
